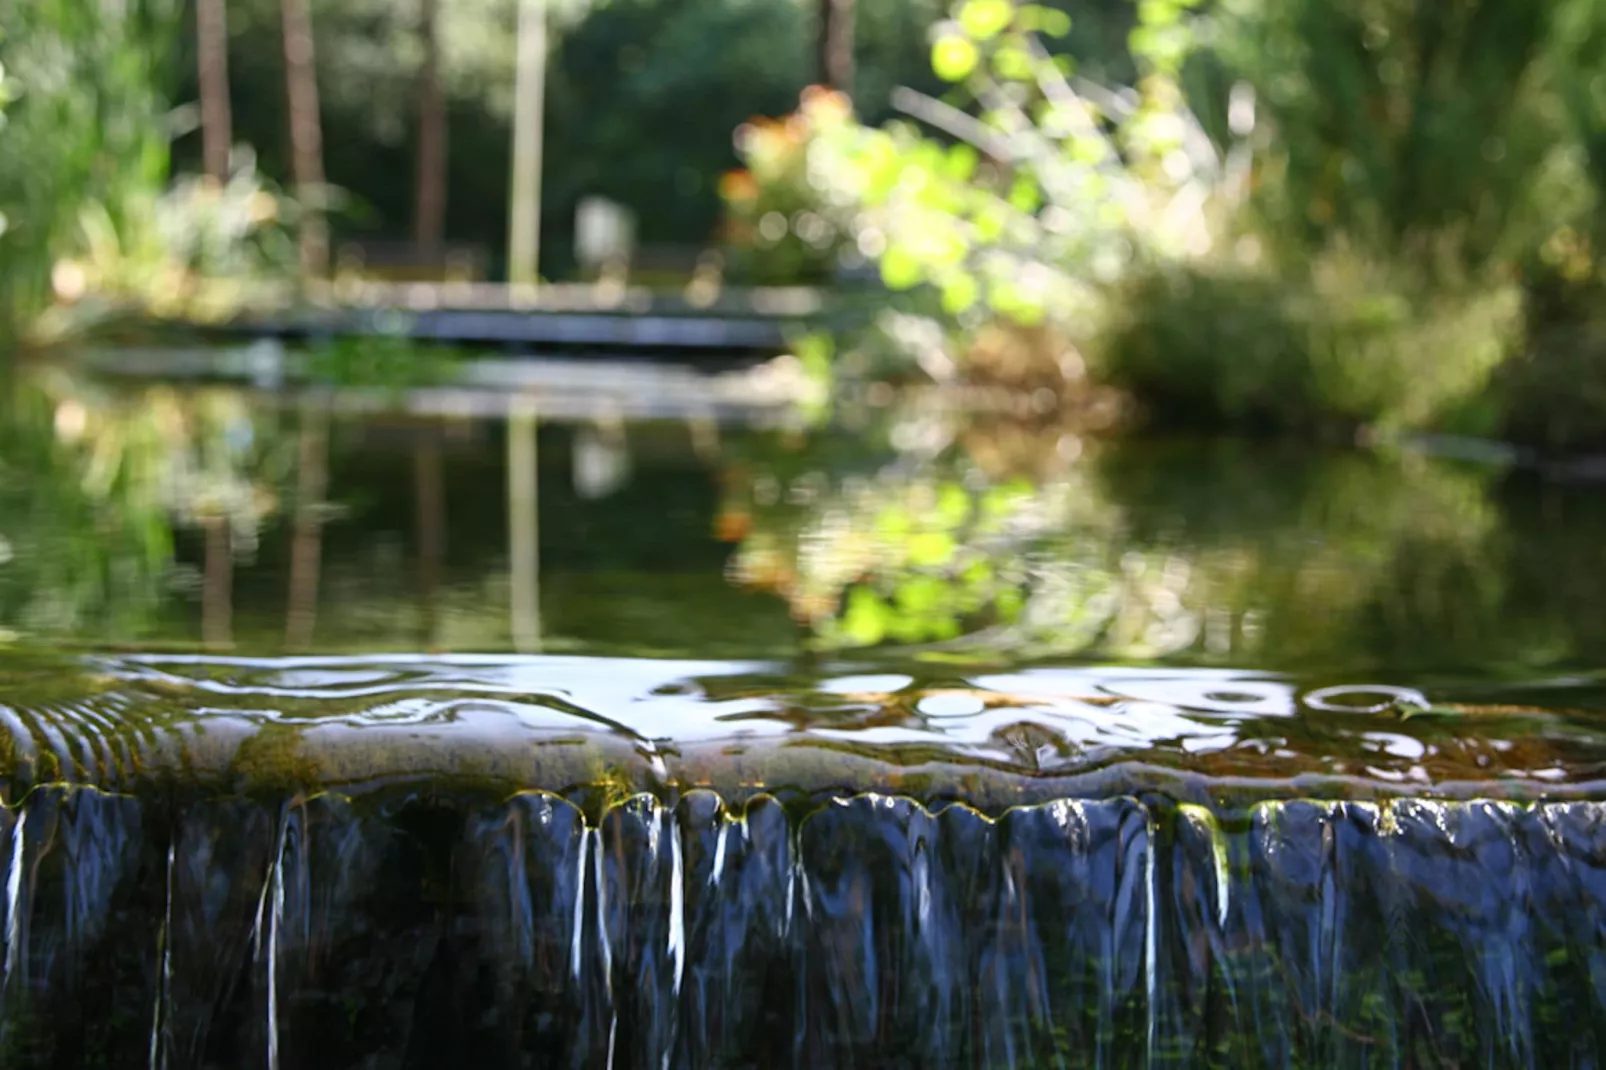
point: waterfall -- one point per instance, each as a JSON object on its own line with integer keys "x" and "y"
{"x": 405, "y": 926}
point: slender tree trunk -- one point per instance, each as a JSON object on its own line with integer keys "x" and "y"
{"x": 212, "y": 74}
{"x": 836, "y": 44}
{"x": 529, "y": 105}
{"x": 306, "y": 134}
{"x": 429, "y": 208}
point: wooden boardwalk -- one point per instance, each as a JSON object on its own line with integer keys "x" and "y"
{"x": 567, "y": 318}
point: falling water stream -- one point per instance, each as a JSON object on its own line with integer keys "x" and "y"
{"x": 514, "y": 861}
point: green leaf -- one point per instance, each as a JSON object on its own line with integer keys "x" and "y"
{"x": 920, "y": 595}
{"x": 986, "y": 19}
{"x": 894, "y": 522}
{"x": 1053, "y": 22}
{"x": 931, "y": 549}
{"x": 1024, "y": 195}
{"x": 960, "y": 164}
{"x": 953, "y": 505}
{"x": 990, "y": 222}
{"x": 865, "y": 622}
{"x": 900, "y": 269}
{"x": 953, "y": 57}
{"x": 959, "y": 293}
{"x": 1012, "y": 64}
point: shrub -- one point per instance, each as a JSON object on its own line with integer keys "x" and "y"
{"x": 1352, "y": 341}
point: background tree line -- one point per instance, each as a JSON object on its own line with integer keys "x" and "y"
{"x": 642, "y": 97}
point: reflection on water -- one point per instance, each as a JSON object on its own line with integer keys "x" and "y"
{"x": 154, "y": 515}
{"x": 922, "y": 746}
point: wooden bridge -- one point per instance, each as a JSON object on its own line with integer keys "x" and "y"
{"x": 701, "y": 321}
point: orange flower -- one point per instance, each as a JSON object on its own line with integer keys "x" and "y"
{"x": 824, "y": 105}
{"x": 738, "y": 185}
{"x": 732, "y": 526}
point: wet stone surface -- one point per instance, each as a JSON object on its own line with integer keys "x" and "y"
{"x": 503, "y": 861}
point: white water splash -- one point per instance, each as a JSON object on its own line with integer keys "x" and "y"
{"x": 791, "y": 893}
{"x": 677, "y": 904}
{"x": 165, "y": 986}
{"x": 1205, "y": 822}
{"x": 607, "y": 944}
{"x": 1223, "y": 885}
{"x": 1151, "y": 924}
{"x": 602, "y": 913}
{"x": 719, "y": 855}
{"x": 275, "y": 923}
{"x": 14, "y": 896}
{"x": 579, "y": 905}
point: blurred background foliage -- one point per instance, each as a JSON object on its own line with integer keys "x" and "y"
{"x": 86, "y": 127}
{"x": 1295, "y": 216}
{"x": 1305, "y": 216}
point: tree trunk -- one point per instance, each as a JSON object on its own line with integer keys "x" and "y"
{"x": 429, "y": 208}
{"x": 524, "y": 212}
{"x": 212, "y": 74}
{"x": 306, "y": 134}
{"x": 836, "y": 45}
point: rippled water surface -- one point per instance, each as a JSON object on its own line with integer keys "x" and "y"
{"x": 387, "y": 736}
{"x": 992, "y": 737}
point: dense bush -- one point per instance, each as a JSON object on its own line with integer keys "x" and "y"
{"x": 1303, "y": 214}
{"x": 87, "y": 124}
{"x": 1345, "y": 342}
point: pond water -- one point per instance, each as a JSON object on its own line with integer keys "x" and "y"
{"x": 609, "y": 726}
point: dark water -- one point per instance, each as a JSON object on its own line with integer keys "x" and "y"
{"x": 378, "y": 738}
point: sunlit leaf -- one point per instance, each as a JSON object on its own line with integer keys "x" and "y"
{"x": 1051, "y": 22}
{"x": 920, "y": 595}
{"x": 953, "y": 505}
{"x": 865, "y": 621}
{"x": 1012, "y": 64}
{"x": 961, "y": 162}
{"x": 960, "y": 293}
{"x": 953, "y": 57}
{"x": 930, "y": 549}
{"x": 990, "y": 222}
{"x": 900, "y": 268}
{"x": 985, "y": 19}
{"x": 894, "y": 522}
{"x": 1024, "y": 195}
